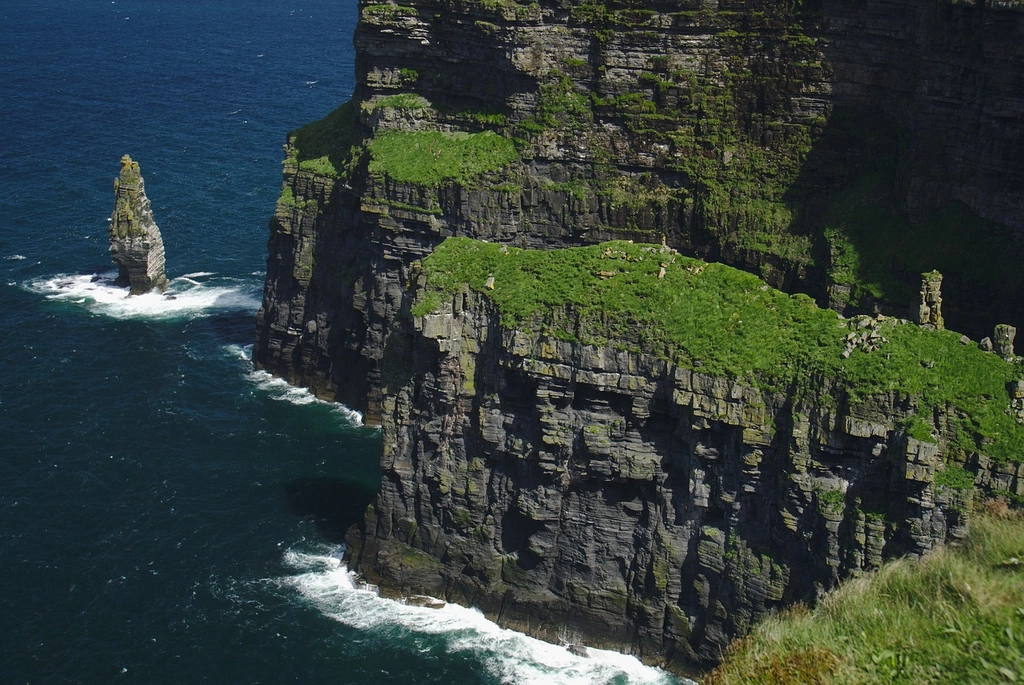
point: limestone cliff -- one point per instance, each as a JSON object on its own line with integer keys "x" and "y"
{"x": 135, "y": 242}
{"x": 585, "y": 490}
{"x": 834, "y": 148}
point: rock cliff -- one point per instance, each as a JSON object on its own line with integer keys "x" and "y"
{"x": 135, "y": 242}
{"x": 836, "y": 149}
{"x": 580, "y": 488}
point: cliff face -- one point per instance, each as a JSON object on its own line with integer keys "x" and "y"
{"x": 946, "y": 74}
{"x": 834, "y": 148}
{"x": 587, "y": 492}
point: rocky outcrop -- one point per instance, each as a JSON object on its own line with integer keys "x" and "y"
{"x": 734, "y": 132}
{"x": 135, "y": 242}
{"x": 1003, "y": 340}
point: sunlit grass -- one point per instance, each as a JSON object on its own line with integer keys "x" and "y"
{"x": 729, "y": 323}
{"x": 956, "y": 616}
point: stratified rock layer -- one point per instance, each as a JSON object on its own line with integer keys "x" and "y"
{"x": 710, "y": 127}
{"x": 592, "y": 494}
{"x": 693, "y": 505}
{"x": 135, "y": 242}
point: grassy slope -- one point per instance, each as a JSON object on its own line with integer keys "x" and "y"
{"x": 956, "y": 616}
{"x": 727, "y": 322}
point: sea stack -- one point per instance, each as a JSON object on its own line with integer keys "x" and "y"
{"x": 135, "y": 242}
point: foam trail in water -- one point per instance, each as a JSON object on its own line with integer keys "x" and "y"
{"x": 243, "y": 352}
{"x": 15, "y": 257}
{"x": 279, "y": 389}
{"x": 185, "y": 297}
{"x": 511, "y": 657}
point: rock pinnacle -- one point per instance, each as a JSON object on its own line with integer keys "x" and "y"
{"x": 135, "y": 242}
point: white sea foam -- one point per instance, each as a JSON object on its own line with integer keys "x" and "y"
{"x": 243, "y": 352}
{"x": 511, "y": 657}
{"x": 279, "y": 389}
{"x": 185, "y": 297}
{"x": 15, "y": 257}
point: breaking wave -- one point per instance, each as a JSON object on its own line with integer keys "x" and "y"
{"x": 508, "y": 656}
{"x": 186, "y": 296}
{"x": 281, "y": 391}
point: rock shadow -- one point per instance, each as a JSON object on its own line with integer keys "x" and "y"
{"x": 916, "y": 168}
{"x": 333, "y": 504}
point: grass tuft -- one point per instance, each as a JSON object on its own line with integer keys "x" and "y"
{"x": 403, "y": 101}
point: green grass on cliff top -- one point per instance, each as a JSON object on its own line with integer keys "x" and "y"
{"x": 430, "y": 158}
{"x": 729, "y": 323}
{"x": 956, "y": 616}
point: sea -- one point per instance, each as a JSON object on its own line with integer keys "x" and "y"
{"x": 168, "y": 514}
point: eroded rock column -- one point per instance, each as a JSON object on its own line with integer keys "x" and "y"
{"x": 928, "y": 311}
{"x": 135, "y": 243}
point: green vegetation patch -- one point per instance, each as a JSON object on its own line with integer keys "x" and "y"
{"x": 287, "y": 197}
{"x": 955, "y": 478}
{"x": 831, "y": 500}
{"x": 329, "y": 146}
{"x": 956, "y": 616}
{"x": 559, "y": 104}
{"x": 429, "y": 158}
{"x": 729, "y": 323}
{"x": 404, "y": 101}
{"x": 376, "y": 13}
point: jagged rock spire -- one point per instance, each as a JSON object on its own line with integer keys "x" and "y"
{"x": 135, "y": 242}
{"x": 929, "y": 306}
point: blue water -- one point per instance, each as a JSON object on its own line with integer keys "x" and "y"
{"x": 167, "y": 514}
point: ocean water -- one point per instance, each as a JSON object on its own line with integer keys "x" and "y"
{"x": 167, "y": 514}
